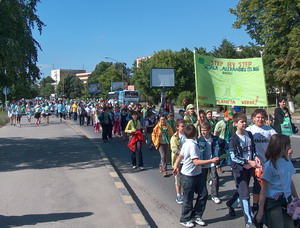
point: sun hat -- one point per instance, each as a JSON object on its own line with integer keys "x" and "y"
{"x": 190, "y": 106}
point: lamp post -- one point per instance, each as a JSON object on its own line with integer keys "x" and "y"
{"x": 106, "y": 57}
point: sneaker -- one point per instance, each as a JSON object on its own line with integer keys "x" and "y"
{"x": 141, "y": 168}
{"x": 179, "y": 199}
{"x": 165, "y": 174}
{"x": 134, "y": 167}
{"x": 250, "y": 225}
{"x": 200, "y": 222}
{"x": 187, "y": 224}
{"x": 160, "y": 170}
{"x": 231, "y": 210}
{"x": 215, "y": 199}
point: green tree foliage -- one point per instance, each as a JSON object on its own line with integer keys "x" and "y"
{"x": 46, "y": 88}
{"x": 70, "y": 87}
{"x": 225, "y": 50}
{"x": 275, "y": 25}
{"x": 18, "y": 49}
{"x": 107, "y": 72}
{"x": 183, "y": 63}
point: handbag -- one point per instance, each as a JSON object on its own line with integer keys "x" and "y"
{"x": 294, "y": 128}
{"x": 286, "y": 126}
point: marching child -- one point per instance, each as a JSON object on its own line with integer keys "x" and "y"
{"x": 192, "y": 179}
{"x": 171, "y": 121}
{"x": 210, "y": 148}
{"x": 261, "y": 134}
{"x": 125, "y": 117}
{"x": 177, "y": 141}
{"x": 133, "y": 128}
{"x": 244, "y": 160}
{"x": 117, "y": 121}
{"x": 161, "y": 136}
{"x": 149, "y": 125}
{"x": 277, "y": 184}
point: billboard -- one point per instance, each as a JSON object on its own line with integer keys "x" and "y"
{"x": 118, "y": 86}
{"x": 239, "y": 82}
{"x": 94, "y": 88}
{"x": 162, "y": 78}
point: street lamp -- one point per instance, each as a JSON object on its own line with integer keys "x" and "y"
{"x": 106, "y": 57}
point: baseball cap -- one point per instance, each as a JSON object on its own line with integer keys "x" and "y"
{"x": 228, "y": 114}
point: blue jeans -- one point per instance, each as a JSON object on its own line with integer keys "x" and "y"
{"x": 191, "y": 185}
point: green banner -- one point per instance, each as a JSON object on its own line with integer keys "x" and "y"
{"x": 239, "y": 82}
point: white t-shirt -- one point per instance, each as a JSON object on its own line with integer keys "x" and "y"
{"x": 279, "y": 179}
{"x": 190, "y": 151}
{"x": 88, "y": 111}
{"x": 245, "y": 143}
{"x": 261, "y": 137}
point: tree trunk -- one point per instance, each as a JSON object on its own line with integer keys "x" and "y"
{"x": 290, "y": 99}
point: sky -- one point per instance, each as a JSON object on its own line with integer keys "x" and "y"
{"x": 80, "y": 34}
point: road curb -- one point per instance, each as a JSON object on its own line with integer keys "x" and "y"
{"x": 132, "y": 207}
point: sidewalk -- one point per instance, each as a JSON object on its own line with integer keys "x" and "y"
{"x": 53, "y": 177}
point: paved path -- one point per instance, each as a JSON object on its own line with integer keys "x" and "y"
{"x": 53, "y": 177}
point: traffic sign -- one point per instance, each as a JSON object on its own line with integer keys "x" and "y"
{"x": 6, "y": 91}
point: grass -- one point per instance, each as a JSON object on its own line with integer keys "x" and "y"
{"x": 3, "y": 118}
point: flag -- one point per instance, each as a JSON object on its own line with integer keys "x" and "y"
{"x": 238, "y": 82}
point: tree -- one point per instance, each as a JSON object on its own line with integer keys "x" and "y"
{"x": 18, "y": 49}
{"x": 225, "y": 50}
{"x": 183, "y": 63}
{"x": 275, "y": 25}
{"x": 45, "y": 87}
{"x": 70, "y": 87}
{"x": 107, "y": 72}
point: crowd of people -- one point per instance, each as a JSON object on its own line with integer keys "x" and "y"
{"x": 197, "y": 144}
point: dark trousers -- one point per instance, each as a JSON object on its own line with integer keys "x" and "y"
{"x": 75, "y": 116}
{"x": 137, "y": 155}
{"x": 81, "y": 120}
{"x": 242, "y": 178}
{"x": 191, "y": 185}
{"x": 105, "y": 131}
{"x": 256, "y": 190}
{"x": 110, "y": 128}
{"x": 213, "y": 174}
{"x": 88, "y": 120}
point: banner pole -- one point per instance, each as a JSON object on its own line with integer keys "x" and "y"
{"x": 196, "y": 86}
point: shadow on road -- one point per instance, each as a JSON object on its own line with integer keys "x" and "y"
{"x": 23, "y": 153}
{"x": 10, "y": 221}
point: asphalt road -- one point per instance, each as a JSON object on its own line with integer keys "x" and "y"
{"x": 53, "y": 177}
{"x": 155, "y": 194}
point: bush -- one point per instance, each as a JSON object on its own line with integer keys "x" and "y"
{"x": 3, "y": 118}
{"x": 297, "y": 99}
{"x": 185, "y": 94}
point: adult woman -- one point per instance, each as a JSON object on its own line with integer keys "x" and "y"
{"x": 167, "y": 105}
{"x": 280, "y": 113}
{"x": 161, "y": 135}
{"x": 190, "y": 116}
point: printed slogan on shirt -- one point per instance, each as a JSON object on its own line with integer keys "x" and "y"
{"x": 239, "y": 82}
